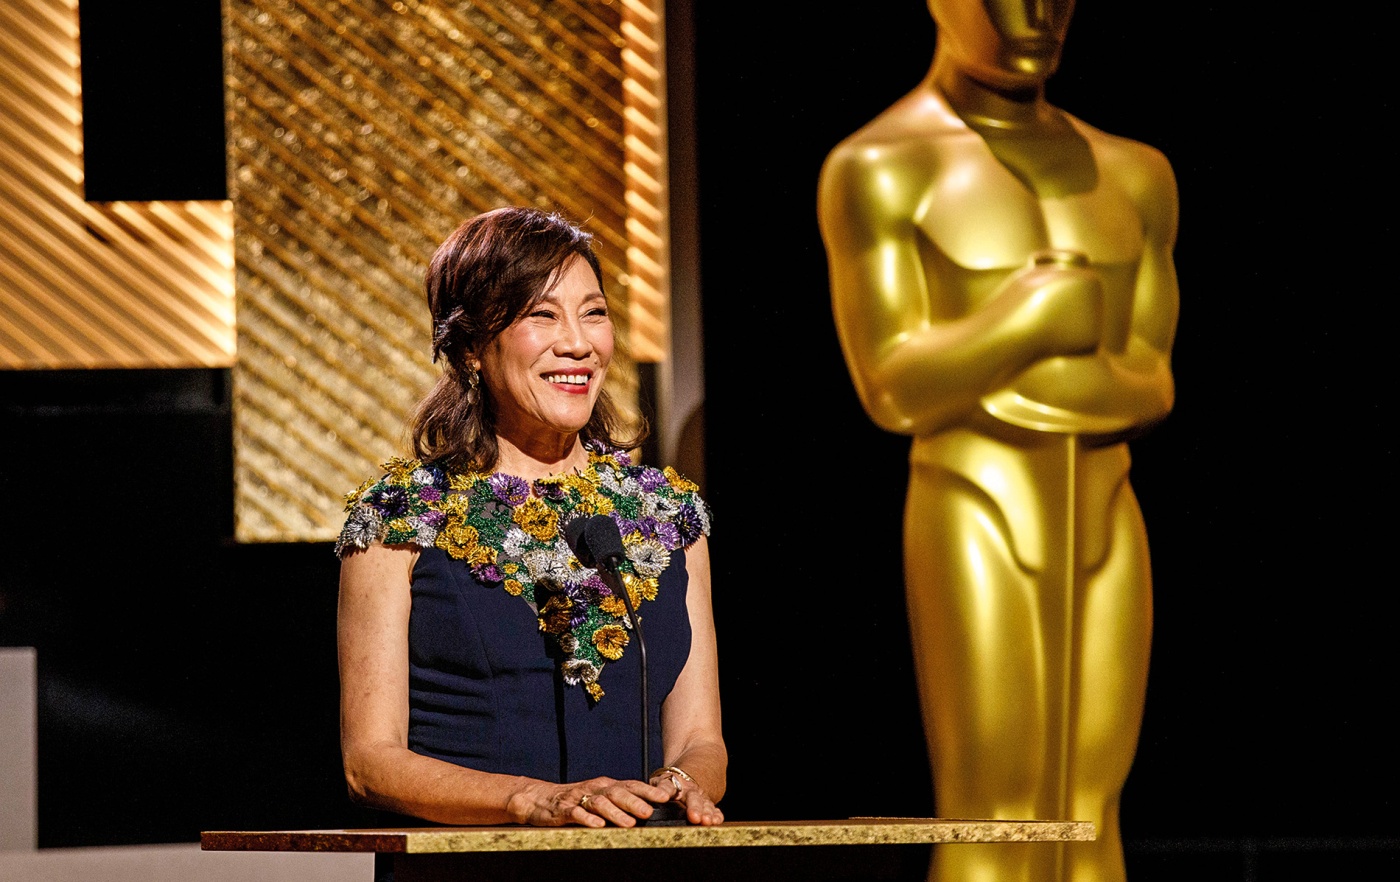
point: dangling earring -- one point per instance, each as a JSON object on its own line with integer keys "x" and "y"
{"x": 473, "y": 381}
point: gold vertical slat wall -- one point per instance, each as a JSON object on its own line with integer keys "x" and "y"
{"x": 361, "y": 133}
{"x": 83, "y": 285}
{"x": 644, "y": 128}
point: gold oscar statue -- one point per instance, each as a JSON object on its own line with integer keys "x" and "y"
{"x": 1003, "y": 288}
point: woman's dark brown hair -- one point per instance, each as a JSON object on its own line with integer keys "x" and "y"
{"x": 482, "y": 278}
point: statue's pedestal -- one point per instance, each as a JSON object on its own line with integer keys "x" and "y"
{"x": 859, "y": 848}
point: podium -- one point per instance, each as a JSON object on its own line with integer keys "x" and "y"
{"x": 812, "y": 851}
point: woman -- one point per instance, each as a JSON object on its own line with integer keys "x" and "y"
{"x": 487, "y": 676}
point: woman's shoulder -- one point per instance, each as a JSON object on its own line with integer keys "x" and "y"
{"x": 401, "y": 506}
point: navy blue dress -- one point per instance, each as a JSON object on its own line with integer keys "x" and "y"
{"x": 486, "y": 690}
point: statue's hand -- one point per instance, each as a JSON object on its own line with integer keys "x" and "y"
{"x": 1062, "y": 303}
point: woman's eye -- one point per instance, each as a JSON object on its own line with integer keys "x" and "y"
{"x": 542, "y": 313}
{"x": 601, "y": 312}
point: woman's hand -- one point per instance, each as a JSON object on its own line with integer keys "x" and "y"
{"x": 596, "y": 802}
{"x": 699, "y": 808}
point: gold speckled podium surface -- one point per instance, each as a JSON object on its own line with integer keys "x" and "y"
{"x": 855, "y": 831}
{"x": 864, "y": 848}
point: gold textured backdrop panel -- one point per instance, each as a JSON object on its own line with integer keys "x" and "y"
{"x": 82, "y": 285}
{"x": 644, "y": 128}
{"x": 360, "y": 134}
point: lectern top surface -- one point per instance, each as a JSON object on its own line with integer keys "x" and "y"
{"x": 852, "y": 831}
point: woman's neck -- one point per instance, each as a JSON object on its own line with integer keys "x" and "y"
{"x": 539, "y": 457}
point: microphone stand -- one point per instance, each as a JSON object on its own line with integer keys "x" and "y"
{"x": 666, "y": 813}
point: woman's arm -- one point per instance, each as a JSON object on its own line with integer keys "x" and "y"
{"x": 690, "y": 717}
{"x": 372, "y": 633}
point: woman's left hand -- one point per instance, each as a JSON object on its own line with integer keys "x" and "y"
{"x": 699, "y": 808}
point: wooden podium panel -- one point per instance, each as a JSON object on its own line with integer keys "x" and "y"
{"x": 830, "y": 851}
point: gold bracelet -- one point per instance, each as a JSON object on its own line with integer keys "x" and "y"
{"x": 675, "y": 770}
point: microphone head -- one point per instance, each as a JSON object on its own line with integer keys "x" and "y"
{"x": 578, "y": 542}
{"x": 604, "y": 540}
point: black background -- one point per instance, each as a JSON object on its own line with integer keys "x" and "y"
{"x": 188, "y": 683}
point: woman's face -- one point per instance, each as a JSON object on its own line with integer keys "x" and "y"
{"x": 544, "y": 372}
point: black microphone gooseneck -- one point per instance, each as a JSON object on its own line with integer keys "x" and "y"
{"x": 604, "y": 543}
{"x": 598, "y": 543}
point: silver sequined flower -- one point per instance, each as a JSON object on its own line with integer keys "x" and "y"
{"x": 362, "y": 527}
{"x": 648, "y": 557}
{"x": 515, "y": 542}
{"x": 547, "y": 566}
{"x": 577, "y": 669}
{"x": 660, "y": 507}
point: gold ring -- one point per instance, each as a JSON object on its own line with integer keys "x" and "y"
{"x": 583, "y": 803}
{"x": 676, "y": 783}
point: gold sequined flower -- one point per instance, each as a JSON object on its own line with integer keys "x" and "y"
{"x": 513, "y": 587}
{"x": 554, "y": 615}
{"x": 610, "y": 639}
{"x": 459, "y": 540}
{"x": 594, "y": 690}
{"x": 353, "y": 496}
{"x": 679, "y": 484}
{"x": 613, "y": 606}
{"x": 481, "y": 554}
{"x": 593, "y": 502}
{"x": 637, "y": 585}
{"x": 537, "y": 519}
{"x": 401, "y": 471}
{"x": 463, "y": 482}
{"x": 454, "y": 505}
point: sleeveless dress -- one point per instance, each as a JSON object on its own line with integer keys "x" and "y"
{"x": 521, "y": 659}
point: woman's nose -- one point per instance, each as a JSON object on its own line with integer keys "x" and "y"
{"x": 572, "y": 341}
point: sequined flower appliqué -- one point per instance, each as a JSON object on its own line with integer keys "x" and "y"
{"x": 511, "y": 534}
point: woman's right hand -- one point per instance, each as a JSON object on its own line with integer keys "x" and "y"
{"x": 596, "y": 802}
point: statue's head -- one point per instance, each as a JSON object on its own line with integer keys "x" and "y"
{"x": 1005, "y": 44}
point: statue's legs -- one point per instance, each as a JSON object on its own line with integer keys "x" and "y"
{"x": 1115, "y": 641}
{"x": 1031, "y": 631}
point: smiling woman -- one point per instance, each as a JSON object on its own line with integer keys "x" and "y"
{"x": 474, "y": 644}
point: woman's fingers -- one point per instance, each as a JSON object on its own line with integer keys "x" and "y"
{"x": 617, "y": 802}
{"x": 699, "y": 809}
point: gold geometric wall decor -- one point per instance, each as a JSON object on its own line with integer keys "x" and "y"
{"x": 84, "y": 285}
{"x": 360, "y": 134}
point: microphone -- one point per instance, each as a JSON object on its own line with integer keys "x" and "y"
{"x": 573, "y": 534}
{"x": 598, "y": 543}
{"x": 605, "y": 543}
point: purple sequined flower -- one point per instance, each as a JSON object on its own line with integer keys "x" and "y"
{"x": 430, "y": 494}
{"x": 392, "y": 502}
{"x": 625, "y": 526}
{"x": 508, "y": 488}
{"x": 689, "y": 525}
{"x": 651, "y": 479}
{"x": 488, "y": 574}
{"x": 433, "y": 518}
{"x": 578, "y": 610}
{"x": 549, "y": 489}
{"x": 646, "y": 526}
{"x": 668, "y": 535}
